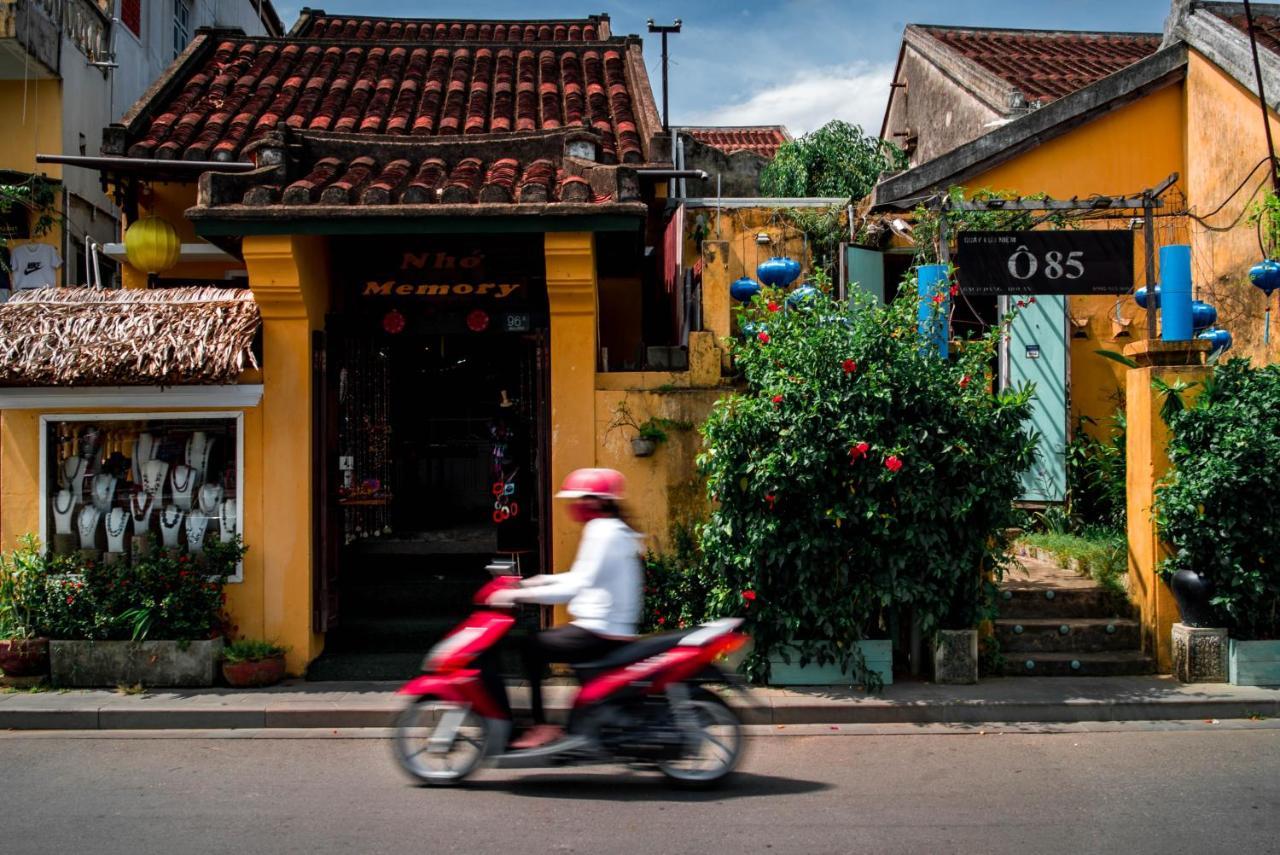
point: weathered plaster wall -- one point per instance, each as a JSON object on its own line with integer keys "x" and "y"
{"x": 739, "y": 173}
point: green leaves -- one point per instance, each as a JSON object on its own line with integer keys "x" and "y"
{"x": 837, "y": 160}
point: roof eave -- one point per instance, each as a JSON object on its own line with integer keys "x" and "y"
{"x": 1228, "y": 48}
{"x": 1026, "y": 132}
{"x": 992, "y": 90}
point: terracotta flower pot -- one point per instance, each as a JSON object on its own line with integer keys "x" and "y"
{"x": 24, "y": 657}
{"x": 252, "y": 674}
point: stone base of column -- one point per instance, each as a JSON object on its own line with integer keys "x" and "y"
{"x": 1199, "y": 654}
{"x": 955, "y": 658}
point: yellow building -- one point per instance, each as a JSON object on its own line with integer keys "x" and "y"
{"x": 448, "y": 286}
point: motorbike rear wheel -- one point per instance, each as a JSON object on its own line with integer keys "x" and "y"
{"x": 440, "y": 742}
{"x": 712, "y": 749}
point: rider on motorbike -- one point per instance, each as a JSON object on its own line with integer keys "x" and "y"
{"x": 603, "y": 589}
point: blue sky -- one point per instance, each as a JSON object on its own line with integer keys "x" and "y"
{"x": 798, "y": 63}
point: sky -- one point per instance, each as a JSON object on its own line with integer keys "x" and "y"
{"x": 798, "y": 63}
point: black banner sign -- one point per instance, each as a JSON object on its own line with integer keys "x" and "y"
{"x": 1057, "y": 262}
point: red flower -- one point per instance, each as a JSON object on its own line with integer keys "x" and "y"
{"x": 859, "y": 450}
{"x": 661, "y": 621}
{"x": 955, "y": 289}
{"x": 182, "y": 559}
{"x": 182, "y": 574}
{"x": 938, "y": 298}
{"x": 1030, "y": 300}
{"x": 773, "y": 307}
{"x": 770, "y": 498}
{"x": 892, "y": 463}
{"x": 849, "y": 366}
{"x": 777, "y": 399}
{"x": 764, "y": 337}
{"x": 1022, "y": 304}
{"x": 70, "y": 600}
{"x": 964, "y": 382}
{"x": 748, "y": 595}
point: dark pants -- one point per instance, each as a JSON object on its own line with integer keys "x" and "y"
{"x": 571, "y": 645}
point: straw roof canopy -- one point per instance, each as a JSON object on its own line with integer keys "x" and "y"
{"x": 107, "y": 337}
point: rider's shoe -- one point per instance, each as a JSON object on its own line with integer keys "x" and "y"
{"x": 537, "y": 736}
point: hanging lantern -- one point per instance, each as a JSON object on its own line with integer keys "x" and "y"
{"x": 393, "y": 322}
{"x": 1265, "y": 276}
{"x": 152, "y": 245}
{"x": 1140, "y": 296}
{"x": 478, "y": 320}
{"x": 1203, "y": 315}
{"x": 744, "y": 289}
{"x": 801, "y": 296}
{"x": 1219, "y": 338}
{"x": 778, "y": 272}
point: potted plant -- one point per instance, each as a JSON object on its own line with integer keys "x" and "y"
{"x": 251, "y": 663}
{"x": 648, "y": 433}
{"x": 23, "y": 654}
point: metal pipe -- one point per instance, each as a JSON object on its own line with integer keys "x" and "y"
{"x": 142, "y": 164}
{"x": 700, "y": 174}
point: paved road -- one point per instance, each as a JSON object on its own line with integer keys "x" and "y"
{"x": 1198, "y": 790}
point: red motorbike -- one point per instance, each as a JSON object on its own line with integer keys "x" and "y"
{"x": 646, "y": 704}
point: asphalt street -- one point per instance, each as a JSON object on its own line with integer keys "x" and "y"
{"x": 1198, "y": 788}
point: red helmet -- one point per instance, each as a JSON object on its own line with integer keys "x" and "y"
{"x": 601, "y": 483}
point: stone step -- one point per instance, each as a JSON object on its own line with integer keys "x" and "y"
{"x": 1066, "y": 635}
{"x": 1112, "y": 664}
{"x": 1047, "y": 602}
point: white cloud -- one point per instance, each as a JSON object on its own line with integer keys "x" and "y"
{"x": 810, "y": 99}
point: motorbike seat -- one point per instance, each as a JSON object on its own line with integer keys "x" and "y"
{"x": 641, "y": 648}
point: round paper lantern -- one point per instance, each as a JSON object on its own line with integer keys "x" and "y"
{"x": 478, "y": 320}
{"x": 1140, "y": 296}
{"x": 779, "y": 271}
{"x": 1265, "y": 276}
{"x": 152, "y": 245}
{"x": 1219, "y": 338}
{"x": 1203, "y": 315}
{"x": 393, "y": 322}
{"x": 744, "y": 289}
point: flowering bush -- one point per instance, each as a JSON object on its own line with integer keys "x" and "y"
{"x": 1218, "y": 507}
{"x": 158, "y": 597}
{"x": 856, "y": 475}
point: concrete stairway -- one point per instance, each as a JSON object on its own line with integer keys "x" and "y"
{"x": 1055, "y": 623}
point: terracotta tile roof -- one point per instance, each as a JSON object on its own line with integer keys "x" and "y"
{"x": 764, "y": 140}
{"x": 1265, "y": 27}
{"x": 236, "y": 90}
{"x": 1045, "y": 65}
{"x": 314, "y": 24}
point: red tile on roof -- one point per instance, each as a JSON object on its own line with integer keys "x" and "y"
{"x": 246, "y": 88}
{"x": 1266, "y": 28}
{"x": 764, "y": 140}
{"x": 1045, "y": 65}
{"x": 406, "y": 29}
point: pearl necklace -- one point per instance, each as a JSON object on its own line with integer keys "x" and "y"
{"x": 122, "y": 517}
{"x": 87, "y": 524}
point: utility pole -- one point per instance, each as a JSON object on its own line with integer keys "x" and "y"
{"x": 665, "y": 29}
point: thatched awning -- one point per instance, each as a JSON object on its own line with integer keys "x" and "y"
{"x": 106, "y": 337}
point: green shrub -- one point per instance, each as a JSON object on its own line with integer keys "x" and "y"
{"x": 1102, "y": 554}
{"x": 20, "y": 578}
{"x": 1218, "y": 508}
{"x": 856, "y": 474}
{"x": 251, "y": 650}
{"x": 675, "y": 584}
{"x": 1096, "y": 476}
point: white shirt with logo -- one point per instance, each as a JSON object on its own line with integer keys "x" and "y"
{"x": 34, "y": 265}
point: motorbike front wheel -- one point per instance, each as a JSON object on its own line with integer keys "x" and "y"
{"x": 440, "y": 742}
{"x": 713, "y": 743}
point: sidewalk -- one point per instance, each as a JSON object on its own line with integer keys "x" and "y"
{"x": 298, "y": 704}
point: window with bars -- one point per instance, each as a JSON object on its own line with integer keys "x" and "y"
{"x": 181, "y": 25}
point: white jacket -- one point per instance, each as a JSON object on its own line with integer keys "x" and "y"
{"x": 604, "y": 587}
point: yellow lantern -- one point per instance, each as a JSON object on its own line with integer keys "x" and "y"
{"x": 152, "y": 245}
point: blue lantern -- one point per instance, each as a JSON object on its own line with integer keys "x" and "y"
{"x": 744, "y": 289}
{"x": 801, "y": 296}
{"x": 1265, "y": 276}
{"x": 1140, "y": 296}
{"x": 1219, "y": 338}
{"x": 1203, "y": 315}
{"x": 778, "y": 272}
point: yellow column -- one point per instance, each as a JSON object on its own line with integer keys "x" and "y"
{"x": 717, "y": 315}
{"x": 571, "y": 293}
{"x": 289, "y": 276}
{"x": 1147, "y": 461}
{"x": 20, "y": 470}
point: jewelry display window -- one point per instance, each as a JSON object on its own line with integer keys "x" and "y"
{"x": 117, "y": 487}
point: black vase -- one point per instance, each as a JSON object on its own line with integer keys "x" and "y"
{"x": 1192, "y": 591}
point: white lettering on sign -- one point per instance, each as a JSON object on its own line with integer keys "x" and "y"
{"x": 1023, "y": 264}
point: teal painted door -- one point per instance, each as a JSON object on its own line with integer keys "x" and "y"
{"x": 865, "y": 272}
{"x": 1037, "y": 353}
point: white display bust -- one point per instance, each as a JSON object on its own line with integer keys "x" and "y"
{"x": 227, "y": 520}
{"x": 182, "y": 481}
{"x": 171, "y": 518}
{"x": 199, "y": 447}
{"x": 209, "y": 498}
{"x": 144, "y": 449}
{"x": 197, "y": 525}
{"x": 154, "y": 473}
{"x": 103, "y": 491}
{"x": 64, "y": 509}
{"x": 142, "y": 506}
{"x": 87, "y": 526}
{"x": 117, "y": 524}
{"x": 72, "y": 476}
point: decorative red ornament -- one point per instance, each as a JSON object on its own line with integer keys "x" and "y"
{"x": 393, "y": 322}
{"x": 892, "y": 463}
{"x": 773, "y": 307}
{"x": 764, "y": 337}
{"x": 849, "y": 366}
{"x": 748, "y": 595}
{"x": 478, "y": 320}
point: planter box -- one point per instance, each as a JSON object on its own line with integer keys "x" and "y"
{"x": 1255, "y": 663}
{"x": 878, "y": 654}
{"x": 87, "y": 664}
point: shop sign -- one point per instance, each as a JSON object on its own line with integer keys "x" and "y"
{"x": 1078, "y": 262}
{"x": 397, "y": 288}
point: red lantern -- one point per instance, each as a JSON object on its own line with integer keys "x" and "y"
{"x": 478, "y": 320}
{"x": 393, "y": 322}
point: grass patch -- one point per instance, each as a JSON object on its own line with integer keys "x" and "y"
{"x": 1103, "y": 557}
